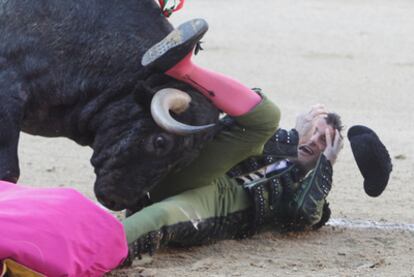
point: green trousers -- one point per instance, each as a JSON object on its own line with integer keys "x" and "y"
{"x": 202, "y": 190}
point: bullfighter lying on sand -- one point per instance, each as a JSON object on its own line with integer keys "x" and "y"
{"x": 251, "y": 175}
{"x": 214, "y": 199}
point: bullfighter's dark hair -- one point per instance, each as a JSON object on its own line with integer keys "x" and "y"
{"x": 334, "y": 120}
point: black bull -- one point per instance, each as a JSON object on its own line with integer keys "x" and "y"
{"x": 72, "y": 69}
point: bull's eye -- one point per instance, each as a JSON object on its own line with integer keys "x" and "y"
{"x": 160, "y": 142}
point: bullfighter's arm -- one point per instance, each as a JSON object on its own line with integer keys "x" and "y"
{"x": 285, "y": 199}
{"x": 282, "y": 144}
{"x": 294, "y": 203}
{"x": 307, "y": 206}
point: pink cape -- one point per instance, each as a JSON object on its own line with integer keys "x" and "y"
{"x": 58, "y": 232}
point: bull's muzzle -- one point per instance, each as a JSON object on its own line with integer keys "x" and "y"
{"x": 177, "y": 101}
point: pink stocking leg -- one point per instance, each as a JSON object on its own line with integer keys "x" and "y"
{"x": 227, "y": 94}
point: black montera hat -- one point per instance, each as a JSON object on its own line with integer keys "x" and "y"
{"x": 372, "y": 159}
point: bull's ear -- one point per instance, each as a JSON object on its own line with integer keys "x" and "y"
{"x": 142, "y": 96}
{"x": 144, "y": 90}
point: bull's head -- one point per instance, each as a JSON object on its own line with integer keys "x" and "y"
{"x": 133, "y": 153}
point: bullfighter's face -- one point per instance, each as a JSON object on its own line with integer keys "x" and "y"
{"x": 312, "y": 144}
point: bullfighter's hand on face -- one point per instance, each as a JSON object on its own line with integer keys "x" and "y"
{"x": 333, "y": 147}
{"x": 304, "y": 121}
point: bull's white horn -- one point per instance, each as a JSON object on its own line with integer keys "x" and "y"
{"x": 177, "y": 101}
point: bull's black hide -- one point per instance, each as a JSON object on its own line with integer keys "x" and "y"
{"x": 71, "y": 68}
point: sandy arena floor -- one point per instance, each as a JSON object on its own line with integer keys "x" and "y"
{"x": 354, "y": 56}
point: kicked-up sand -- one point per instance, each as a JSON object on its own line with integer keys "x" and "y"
{"x": 357, "y": 57}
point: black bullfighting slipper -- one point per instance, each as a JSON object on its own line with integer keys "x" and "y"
{"x": 175, "y": 46}
{"x": 372, "y": 159}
